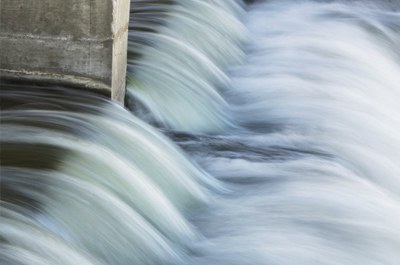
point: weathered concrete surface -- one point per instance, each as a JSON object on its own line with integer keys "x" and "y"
{"x": 76, "y": 42}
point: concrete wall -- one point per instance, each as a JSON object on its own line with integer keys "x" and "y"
{"x": 75, "y": 42}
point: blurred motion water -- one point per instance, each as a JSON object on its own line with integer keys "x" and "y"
{"x": 316, "y": 169}
{"x": 177, "y": 53}
{"x": 85, "y": 182}
{"x": 292, "y": 143}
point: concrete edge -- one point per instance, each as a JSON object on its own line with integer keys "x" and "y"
{"x": 56, "y": 79}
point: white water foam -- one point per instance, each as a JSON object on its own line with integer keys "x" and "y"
{"x": 317, "y": 174}
{"x": 179, "y": 74}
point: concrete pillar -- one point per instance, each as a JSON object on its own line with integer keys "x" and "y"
{"x": 82, "y": 43}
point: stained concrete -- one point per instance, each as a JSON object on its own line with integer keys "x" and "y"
{"x": 81, "y": 43}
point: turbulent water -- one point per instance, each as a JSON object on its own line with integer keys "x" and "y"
{"x": 289, "y": 117}
{"x": 183, "y": 49}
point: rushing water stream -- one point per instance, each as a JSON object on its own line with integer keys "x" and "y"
{"x": 278, "y": 143}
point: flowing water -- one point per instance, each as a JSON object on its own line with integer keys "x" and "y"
{"x": 286, "y": 122}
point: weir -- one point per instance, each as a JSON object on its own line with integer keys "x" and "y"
{"x": 79, "y": 43}
{"x": 265, "y": 134}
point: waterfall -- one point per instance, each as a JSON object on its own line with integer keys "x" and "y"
{"x": 177, "y": 59}
{"x": 258, "y": 132}
{"x": 316, "y": 170}
{"x": 88, "y": 179}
